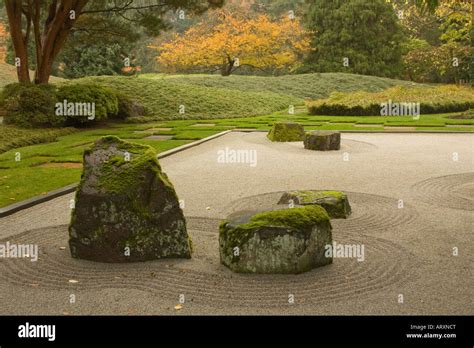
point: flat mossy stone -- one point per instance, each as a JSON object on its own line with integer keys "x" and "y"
{"x": 336, "y": 203}
{"x": 322, "y": 140}
{"x": 286, "y": 132}
{"x": 287, "y": 241}
{"x": 126, "y": 209}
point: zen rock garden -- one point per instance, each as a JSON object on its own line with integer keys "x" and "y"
{"x": 126, "y": 209}
{"x": 314, "y": 140}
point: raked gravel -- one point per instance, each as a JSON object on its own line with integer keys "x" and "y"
{"x": 409, "y": 250}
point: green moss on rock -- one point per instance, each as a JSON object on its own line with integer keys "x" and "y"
{"x": 286, "y": 132}
{"x": 125, "y": 200}
{"x": 296, "y": 218}
{"x": 322, "y": 140}
{"x": 280, "y": 241}
{"x": 335, "y": 203}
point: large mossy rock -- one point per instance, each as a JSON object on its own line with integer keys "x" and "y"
{"x": 286, "y": 131}
{"x": 126, "y": 209}
{"x": 280, "y": 241}
{"x": 322, "y": 140}
{"x": 336, "y": 203}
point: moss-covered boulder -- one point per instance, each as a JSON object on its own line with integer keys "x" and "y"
{"x": 126, "y": 209}
{"x": 286, "y": 131}
{"x": 280, "y": 241}
{"x": 336, "y": 203}
{"x": 322, "y": 140}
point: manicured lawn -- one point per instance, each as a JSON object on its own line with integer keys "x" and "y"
{"x": 51, "y": 165}
{"x": 12, "y": 137}
{"x": 51, "y": 158}
{"x": 48, "y": 166}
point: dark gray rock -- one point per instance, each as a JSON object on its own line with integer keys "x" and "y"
{"x": 280, "y": 241}
{"x": 126, "y": 210}
{"x": 322, "y": 140}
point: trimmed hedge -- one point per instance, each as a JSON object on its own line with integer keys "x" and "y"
{"x": 105, "y": 100}
{"x": 29, "y": 105}
{"x": 433, "y": 100}
{"x": 127, "y": 107}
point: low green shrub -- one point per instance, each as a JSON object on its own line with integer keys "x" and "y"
{"x": 466, "y": 115}
{"x": 127, "y": 107}
{"x": 29, "y": 105}
{"x": 104, "y": 101}
{"x": 433, "y": 100}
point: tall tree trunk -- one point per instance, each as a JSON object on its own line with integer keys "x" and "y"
{"x": 62, "y": 15}
{"x": 61, "y": 18}
{"x": 20, "y": 41}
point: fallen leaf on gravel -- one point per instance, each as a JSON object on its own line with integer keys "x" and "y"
{"x": 178, "y": 307}
{"x": 72, "y": 281}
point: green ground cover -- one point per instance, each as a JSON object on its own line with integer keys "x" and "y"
{"x": 431, "y": 100}
{"x": 303, "y": 86}
{"x": 164, "y": 99}
{"x": 51, "y": 158}
{"x": 54, "y": 164}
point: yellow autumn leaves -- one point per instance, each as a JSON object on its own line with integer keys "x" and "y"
{"x": 257, "y": 42}
{"x": 3, "y": 42}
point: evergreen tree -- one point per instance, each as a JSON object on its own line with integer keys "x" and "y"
{"x": 278, "y": 8}
{"x": 354, "y": 36}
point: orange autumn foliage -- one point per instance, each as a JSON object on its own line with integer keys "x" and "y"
{"x": 3, "y": 42}
{"x": 234, "y": 41}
